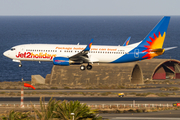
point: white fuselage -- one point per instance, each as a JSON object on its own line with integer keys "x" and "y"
{"x": 46, "y": 52}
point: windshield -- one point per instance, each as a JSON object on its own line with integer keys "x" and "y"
{"x": 12, "y": 49}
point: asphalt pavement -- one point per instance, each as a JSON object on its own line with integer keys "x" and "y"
{"x": 99, "y": 100}
{"x": 160, "y": 115}
{"x": 143, "y": 90}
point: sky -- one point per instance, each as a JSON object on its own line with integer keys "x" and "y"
{"x": 89, "y": 7}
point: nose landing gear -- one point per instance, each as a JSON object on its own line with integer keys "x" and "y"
{"x": 20, "y": 65}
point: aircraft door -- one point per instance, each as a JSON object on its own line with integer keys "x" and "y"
{"x": 136, "y": 53}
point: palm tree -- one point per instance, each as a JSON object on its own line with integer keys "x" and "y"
{"x": 81, "y": 111}
{"x": 47, "y": 111}
{"x": 12, "y": 115}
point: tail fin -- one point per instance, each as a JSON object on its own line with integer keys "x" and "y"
{"x": 153, "y": 42}
{"x": 127, "y": 41}
{"x": 155, "y": 39}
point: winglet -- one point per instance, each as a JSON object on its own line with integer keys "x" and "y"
{"x": 127, "y": 41}
{"x": 88, "y": 47}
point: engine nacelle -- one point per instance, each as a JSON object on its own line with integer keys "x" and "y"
{"x": 61, "y": 61}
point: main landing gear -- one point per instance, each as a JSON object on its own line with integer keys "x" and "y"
{"x": 89, "y": 67}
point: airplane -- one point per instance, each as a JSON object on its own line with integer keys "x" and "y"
{"x": 65, "y": 55}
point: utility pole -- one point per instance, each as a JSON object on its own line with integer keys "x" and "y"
{"x": 22, "y": 94}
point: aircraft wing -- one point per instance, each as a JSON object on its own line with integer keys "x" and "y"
{"x": 127, "y": 41}
{"x": 82, "y": 56}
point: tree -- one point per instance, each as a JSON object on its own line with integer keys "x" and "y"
{"x": 12, "y": 115}
{"x": 47, "y": 111}
{"x": 81, "y": 111}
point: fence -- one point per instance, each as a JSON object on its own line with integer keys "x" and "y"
{"x": 117, "y": 106}
{"x": 101, "y": 106}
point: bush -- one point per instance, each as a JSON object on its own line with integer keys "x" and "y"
{"x": 92, "y": 94}
{"x": 60, "y": 92}
{"x": 63, "y": 110}
{"x": 12, "y": 115}
{"x": 105, "y": 93}
{"x": 73, "y": 93}
{"x": 121, "y": 87}
{"x": 139, "y": 110}
{"x": 66, "y": 87}
{"x": 8, "y": 87}
{"x": 2, "y": 92}
{"x": 55, "y": 88}
{"x": 12, "y": 93}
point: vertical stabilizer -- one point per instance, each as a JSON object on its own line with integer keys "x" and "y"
{"x": 153, "y": 42}
{"x": 155, "y": 39}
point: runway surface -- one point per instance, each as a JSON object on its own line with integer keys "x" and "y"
{"x": 160, "y": 115}
{"x": 143, "y": 90}
{"x": 95, "y": 98}
{"x": 99, "y": 100}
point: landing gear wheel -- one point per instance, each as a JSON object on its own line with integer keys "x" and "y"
{"x": 89, "y": 67}
{"x": 82, "y": 67}
{"x": 20, "y": 65}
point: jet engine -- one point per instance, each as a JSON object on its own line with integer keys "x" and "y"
{"x": 64, "y": 61}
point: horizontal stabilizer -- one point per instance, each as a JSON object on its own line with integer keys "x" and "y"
{"x": 156, "y": 50}
{"x": 170, "y": 48}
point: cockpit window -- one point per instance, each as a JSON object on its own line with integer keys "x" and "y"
{"x": 12, "y": 49}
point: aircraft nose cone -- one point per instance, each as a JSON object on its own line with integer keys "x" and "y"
{"x": 5, "y": 53}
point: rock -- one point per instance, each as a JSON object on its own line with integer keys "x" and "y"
{"x": 37, "y": 79}
{"x": 47, "y": 79}
{"x": 103, "y": 74}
